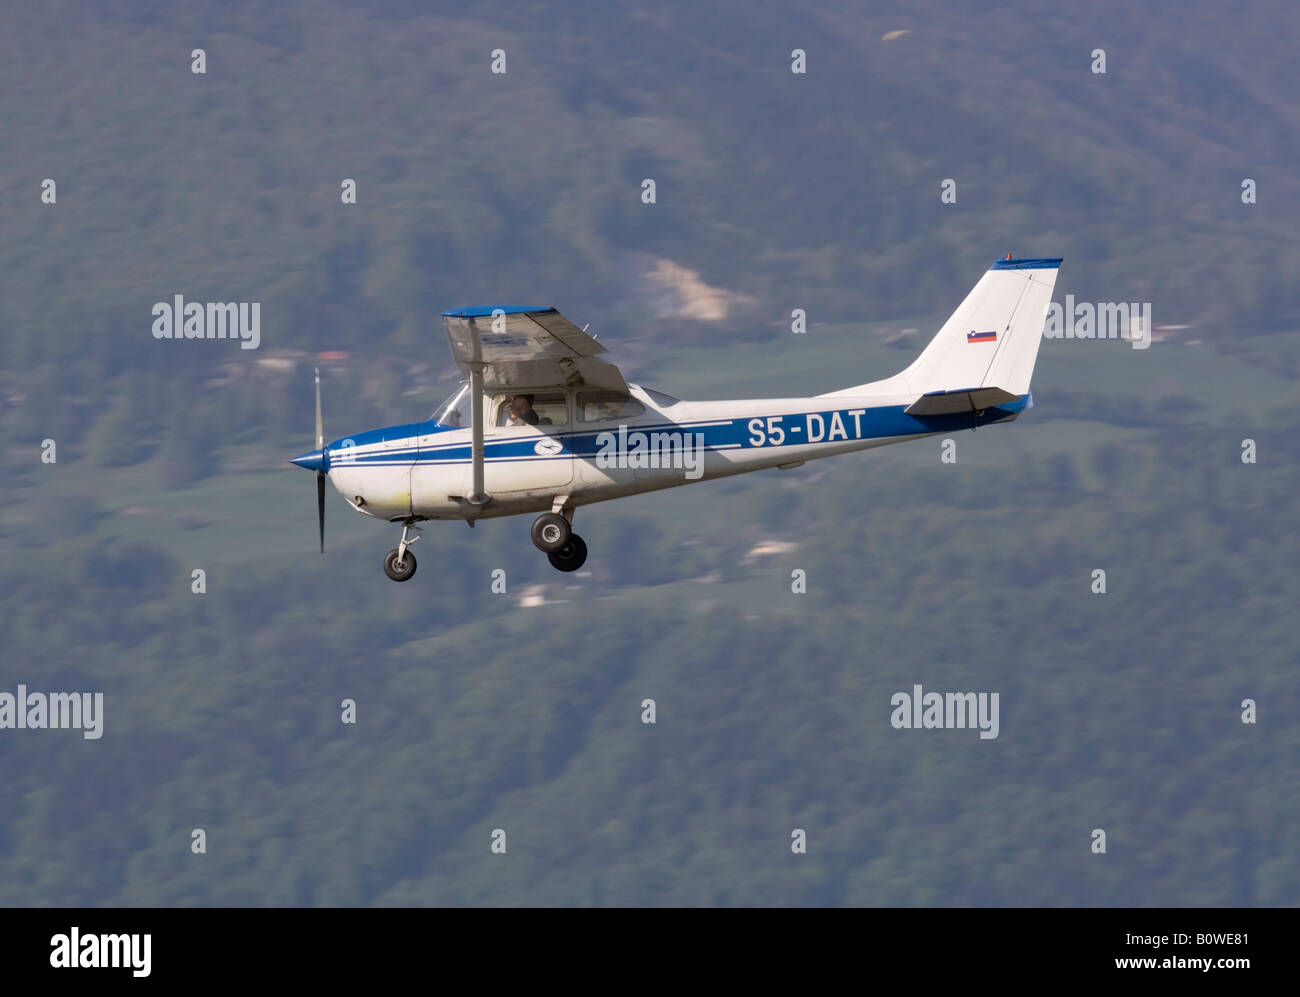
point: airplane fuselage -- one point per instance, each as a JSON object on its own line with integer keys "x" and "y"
{"x": 423, "y": 470}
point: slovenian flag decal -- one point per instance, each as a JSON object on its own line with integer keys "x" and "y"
{"x": 981, "y": 337}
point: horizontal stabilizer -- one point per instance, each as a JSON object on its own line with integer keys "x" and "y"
{"x": 959, "y": 400}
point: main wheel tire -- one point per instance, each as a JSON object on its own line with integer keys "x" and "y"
{"x": 399, "y": 571}
{"x": 571, "y": 556}
{"x": 551, "y": 532}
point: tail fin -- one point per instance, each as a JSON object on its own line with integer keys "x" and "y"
{"x": 992, "y": 339}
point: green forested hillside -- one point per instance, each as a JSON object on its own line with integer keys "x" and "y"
{"x": 1119, "y": 711}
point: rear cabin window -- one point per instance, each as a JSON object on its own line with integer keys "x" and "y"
{"x": 607, "y": 406}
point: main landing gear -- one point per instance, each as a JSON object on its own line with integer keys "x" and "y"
{"x": 553, "y": 536}
{"x": 399, "y": 565}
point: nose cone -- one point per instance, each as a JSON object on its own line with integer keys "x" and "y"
{"x": 313, "y": 460}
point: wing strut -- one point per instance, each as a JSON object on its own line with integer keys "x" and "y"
{"x": 477, "y": 495}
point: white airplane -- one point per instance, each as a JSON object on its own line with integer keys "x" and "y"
{"x": 543, "y": 425}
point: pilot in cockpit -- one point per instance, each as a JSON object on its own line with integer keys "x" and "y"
{"x": 521, "y": 411}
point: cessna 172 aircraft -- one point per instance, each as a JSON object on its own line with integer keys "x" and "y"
{"x": 542, "y": 424}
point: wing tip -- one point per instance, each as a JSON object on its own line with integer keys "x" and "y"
{"x": 486, "y": 311}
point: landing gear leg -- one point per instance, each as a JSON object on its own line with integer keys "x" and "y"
{"x": 399, "y": 564}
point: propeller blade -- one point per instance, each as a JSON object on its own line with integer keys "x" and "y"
{"x": 320, "y": 475}
{"x": 320, "y": 506}
{"x": 320, "y": 433}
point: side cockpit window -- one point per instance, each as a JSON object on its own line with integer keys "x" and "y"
{"x": 549, "y": 408}
{"x": 607, "y": 406}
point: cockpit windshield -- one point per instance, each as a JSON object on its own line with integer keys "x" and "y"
{"x": 455, "y": 411}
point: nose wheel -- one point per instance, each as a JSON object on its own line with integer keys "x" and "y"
{"x": 399, "y": 569}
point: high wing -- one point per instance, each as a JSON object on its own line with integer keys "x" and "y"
{"x": 524, "y": 347}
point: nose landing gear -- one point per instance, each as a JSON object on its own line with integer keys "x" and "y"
{"x": 399, "y": 564}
